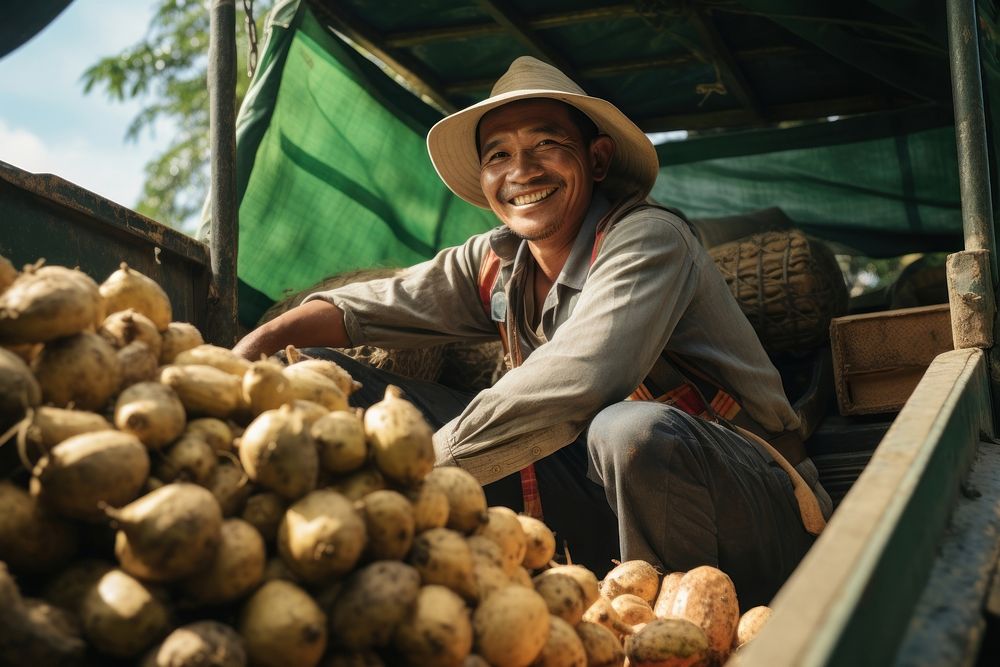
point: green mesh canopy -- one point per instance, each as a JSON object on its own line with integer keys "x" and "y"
{"x": 333, "y": 173}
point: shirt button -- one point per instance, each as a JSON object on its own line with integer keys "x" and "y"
{"x": 535, "y": 451}
{"x": 495, "y": 470}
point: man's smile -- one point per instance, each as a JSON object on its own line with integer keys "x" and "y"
{"x": 531, "y": 198}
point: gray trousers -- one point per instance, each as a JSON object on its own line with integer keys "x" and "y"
{"x": 646, "y": 481}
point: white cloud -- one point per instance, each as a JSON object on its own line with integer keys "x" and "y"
{"x": 116, "y": 175}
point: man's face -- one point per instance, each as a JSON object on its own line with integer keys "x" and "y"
{"x": 536, "y": 170}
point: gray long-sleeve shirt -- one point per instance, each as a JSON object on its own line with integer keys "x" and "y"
{"x": 602, "y": 326}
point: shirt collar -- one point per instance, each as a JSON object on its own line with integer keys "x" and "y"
{"x": 506, "y": 243}
{"x": 577, "y": 266}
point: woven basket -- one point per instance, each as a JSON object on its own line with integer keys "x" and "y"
{"x": 788, "y": 285}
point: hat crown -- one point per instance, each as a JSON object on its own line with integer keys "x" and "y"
{"x": 527, "y": 73}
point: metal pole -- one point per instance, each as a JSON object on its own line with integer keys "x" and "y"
{"x": 972, "y": 298}
{"x": 221, "y": 321}
{"x": 970, "y": 129}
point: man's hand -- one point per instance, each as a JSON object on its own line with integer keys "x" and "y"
{"x": 313, "y": 324}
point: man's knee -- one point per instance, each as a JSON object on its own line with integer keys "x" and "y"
{"x": 635, "y": 433}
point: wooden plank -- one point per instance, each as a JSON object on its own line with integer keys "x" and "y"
{"x": 507, "y": 17}
{"x": 728, "y": 68}
{"x": 418, "y": 77}
{"x": 849, "y": 601}
{"x": 409, "y": 38}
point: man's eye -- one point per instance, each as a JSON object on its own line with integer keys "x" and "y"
{"x": 546, "y": 142}
{"x": 496, "y": 156}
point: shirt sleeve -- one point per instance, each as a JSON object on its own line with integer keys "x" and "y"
{"x": 430, "y": 303}
{"x": 638, "y": 287}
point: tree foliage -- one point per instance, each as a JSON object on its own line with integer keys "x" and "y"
{"x": 167, "y": 70}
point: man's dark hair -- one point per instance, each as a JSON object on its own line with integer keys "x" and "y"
{"x": 587, "y": 127}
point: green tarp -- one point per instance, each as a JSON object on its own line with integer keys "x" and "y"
{"x": 334, "y": 175}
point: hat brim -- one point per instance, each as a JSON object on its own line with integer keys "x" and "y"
{"x": 451, "y": 144}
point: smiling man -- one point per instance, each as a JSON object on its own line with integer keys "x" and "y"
{"x": 599, "y": 296}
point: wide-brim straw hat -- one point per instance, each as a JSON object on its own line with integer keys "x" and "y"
{"x": 452, "y": 141}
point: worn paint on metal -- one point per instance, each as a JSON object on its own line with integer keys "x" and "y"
{"x": 970, "y": 294}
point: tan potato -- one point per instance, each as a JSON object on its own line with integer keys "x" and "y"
{"x": 230, "y": 486}
{"x": 668, "y": 591}
{"x": 488, "y": 578}
{"x": 68, "y": 588}
{"x": 563, "y": 596}
{"x": 8, "y": 274}
{"x": 442, "y": 557}
{"x": 215, "y": 356}
{"x": 540, "y": 543}
{"x": 278, "y": 454}
{"x": 503, "y": 527}
{"x": 632, "y": 609}
{"x": 33, "y": 633}
{"x": 264, "y": 511}
{"x": 121, "y": 616}
{"x": 124, "y": 327}
{"x": 583, "y": 576}
{"x": 511, "y": 627}
{"x": 354, "y": 659}
{"x": 485, "y": 550}
{"x": 521, "y": 577}
{"x": 430, "y": 507}
{"x": 341, "y": 440}
{"x": 85, "y": 472}
{"x": 81, "y": 370}
{"x": 176, "y": 338}
{"x": 436, "y": 631}
{"x": 215, "y": 432}
{"x": 750, "y": 624}
{"x": 168, "y": 534}
{"x": 602, "y": 647}
{"x": 19, "y": 389}
{"x": 31, "y": 539}
{"x": 275, "y": 568}
{"x": 321, "y": 536}
{"x": 206, "y": 643}
{"x": 190, "y": 459}
{"x": 400, "y": 438}
{"x": 388, "y": 518}
{"x": 236, "y": 569}
{"x": 282, "y": 626}
{"x": 359, "y": 483}
{"x": 265, "y": 387}
{"x": 668, "y": 642}
{"x": 372, "y": 603}
{"x": 602, "y": 612}
{"x": 49, "y": 303}
{"x": 466, "y": 499}
{"x": 137, "y": 364}
{"x": 563, "y": 647}
{"x": 706, "y": 597}
{"x": 330, "y": 370}
{"x": 127, "y": 288}
{"x": 311, "y": 411}
{"x": 633, "y": 576}
{"x": 204, "y": 390}
{"x": 309, "y": 385}
{"x": 151, "y": 412}
{"x": 50, "y": 426}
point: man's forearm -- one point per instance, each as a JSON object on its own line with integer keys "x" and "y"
{"x": 313, "y": 324}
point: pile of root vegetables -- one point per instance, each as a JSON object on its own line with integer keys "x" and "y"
{"x": 172, "y": 504}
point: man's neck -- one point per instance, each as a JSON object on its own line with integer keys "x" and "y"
{"x": 551, "y": 254}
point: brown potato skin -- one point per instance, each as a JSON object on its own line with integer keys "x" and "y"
{"x": 706, "y": 597}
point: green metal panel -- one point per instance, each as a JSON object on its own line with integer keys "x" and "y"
{"x": 42, "y": 216}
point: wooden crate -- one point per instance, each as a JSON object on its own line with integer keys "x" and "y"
{"x": 878, "y": 358}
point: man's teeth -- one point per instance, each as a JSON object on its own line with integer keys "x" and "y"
{"x": 532, "y": 198}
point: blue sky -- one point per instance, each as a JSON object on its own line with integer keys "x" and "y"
{"x": 47, "y": 124}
